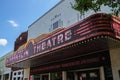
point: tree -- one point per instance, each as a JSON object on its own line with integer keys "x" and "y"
{"x": 84, "y": 5}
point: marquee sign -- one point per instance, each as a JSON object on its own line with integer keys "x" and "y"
{"x": 86, "y": 61}
{"x": 95, "y": 25}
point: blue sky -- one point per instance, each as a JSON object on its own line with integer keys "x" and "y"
{"x": 16, "y": 16}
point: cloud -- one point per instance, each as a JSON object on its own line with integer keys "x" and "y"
{"x": 3, "y": 42}
{"x": 13, "y": 23}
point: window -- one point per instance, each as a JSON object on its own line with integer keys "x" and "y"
{"x": 45, "y": 77}
{"x": 19, "y": 73}
{"x": 15, "y": 73}
{"x": 14, "y": 79}
{"x": 89, "y": 75}
{"x": 56, "y": 76}
{"x": 70, "y": 76}
{"x": 18, "y": 78}
{"x": 57, "y": 24}
{"x": 36, "y": 77}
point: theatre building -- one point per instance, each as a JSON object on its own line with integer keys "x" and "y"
{"x": 79, "y": 52}
{"x": 85, "y": 48}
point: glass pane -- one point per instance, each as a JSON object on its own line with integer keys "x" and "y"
{"x": 15, "y": 73}
{"x": 14, "y": 78}
{"x": 19, "y": 73}
{"x": 93, "y": 74}
{"x": 36, "y": 77}
{"x": 70, "y": 76}
{"x": 56, "y": 76}
{"x": 45, "y": 77}
{"x": 55, "y": 25}
{"x": 83, "y": 75}
{"x": 18, "y": 78}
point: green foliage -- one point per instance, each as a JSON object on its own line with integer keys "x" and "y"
{"x": 84, "y": 5}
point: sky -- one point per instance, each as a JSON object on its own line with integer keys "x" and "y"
{"x": 15, "y": 18}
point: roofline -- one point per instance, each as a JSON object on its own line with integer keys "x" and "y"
{"x": 46, "y": 12}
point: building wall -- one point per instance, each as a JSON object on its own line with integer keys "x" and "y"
{"x": 3, "y": 69}
{"x": 26, "y": 73}
{"x": 115, "y": 61}
{"x": 62, "y": 12}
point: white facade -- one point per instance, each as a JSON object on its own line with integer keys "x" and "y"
{"x": 61, "y": 12}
